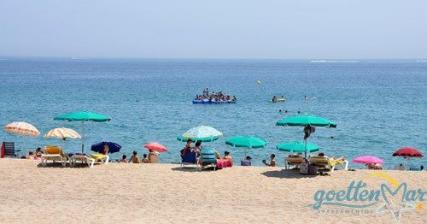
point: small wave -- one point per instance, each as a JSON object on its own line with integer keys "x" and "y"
{"x": 421, "y": 61}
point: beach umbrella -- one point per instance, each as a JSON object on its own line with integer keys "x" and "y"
{"x": 112, "y": 147}
{"x": 83, "y": 116}
{"x": 62, "y": 133}
{"x": 22, "y": 128}
{"x": 368, "y": 160}
{"x": 201, "y": 133}
{"x": 408, "y": 152}
{"x": 246, "y": 142}
{"x": 297, "y": 147}
{"x": 308, "y": 122}
{"x": 154, "y": 146}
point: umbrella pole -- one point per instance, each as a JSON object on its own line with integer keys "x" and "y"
{"x": 83, "y": 136}
{"x": 305, "y": 148}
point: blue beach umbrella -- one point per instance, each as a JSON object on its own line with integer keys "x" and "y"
{"x": 99, "y": 147}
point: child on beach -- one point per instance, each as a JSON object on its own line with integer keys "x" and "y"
{"x": 272, "y": 161}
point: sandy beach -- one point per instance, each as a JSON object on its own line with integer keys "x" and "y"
{"x": 165, "y": 193}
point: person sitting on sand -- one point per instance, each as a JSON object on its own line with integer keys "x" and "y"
{"x": 134, "y": 158}
{"x": 246, "y": 161}
{"x": 38, "y": 154}
{"x": 272, "y": 161}
{"x": 374, "y": 166}
{"x": 187, "y": 148}
{"x": 30, "y": 155}
{"x": 145, "y": 158}
{"x": 123, "y": 160}
{"x": 227, "y": 156}
{"x": 400, "y": 167}
{"x": 153, "y": 156}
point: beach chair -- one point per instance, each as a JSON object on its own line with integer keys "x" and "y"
{"x": 100, "y": 158}
{"x": 293, "y": 162}
{"x": 54, "y": 154}
{"x": 207, "y": 158}
{"x": 83, "y": 159}
{"x": 8, "y": 150}
{"x": 189, "y": 159}
{"x": 325, "y": 164}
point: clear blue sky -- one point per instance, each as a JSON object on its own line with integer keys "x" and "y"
{"x": 333, "y": 29}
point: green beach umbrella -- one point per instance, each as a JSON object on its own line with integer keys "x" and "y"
{"x": 304, "y": 120}
{"x": 297, "y": 146}
{"x": 250, "y": 142}
{"x": 83, "y": 116}
{"x": 308, "y": 122}
{"x": 200, "y": 133}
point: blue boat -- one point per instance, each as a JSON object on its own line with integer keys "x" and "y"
{"x": 213, "y": 102}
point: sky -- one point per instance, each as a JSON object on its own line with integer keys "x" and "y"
{"x": 282, "y": 29}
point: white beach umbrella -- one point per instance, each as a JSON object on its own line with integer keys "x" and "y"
{"x": 22, "y": 128}
{"x": 201, "y": 133}
{"x": 62, "y": 133}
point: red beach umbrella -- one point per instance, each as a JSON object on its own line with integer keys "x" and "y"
{"x": 408, "y": 152}
{"x": 154, "y": 146}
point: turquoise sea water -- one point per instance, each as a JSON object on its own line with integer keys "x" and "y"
{"x": 379, "y": 106}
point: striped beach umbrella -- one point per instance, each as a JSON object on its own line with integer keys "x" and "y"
{"x": 22, "y": 128}
{"x": 62, "y": 133}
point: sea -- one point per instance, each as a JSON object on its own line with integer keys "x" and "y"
{"x": 378, "y": 105}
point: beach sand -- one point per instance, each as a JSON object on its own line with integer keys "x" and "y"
{"x": 165, "y": 193}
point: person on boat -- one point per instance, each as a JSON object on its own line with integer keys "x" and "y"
{"x": 272, "y": 161}
{"x": 135, "y": 158}
{"x": 187, "y": 148}
{"x": 274, "y": 99}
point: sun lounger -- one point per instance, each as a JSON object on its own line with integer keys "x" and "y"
{"x": 325, "y": 164}
{"x": 100, "y": 158}
{"x": 189, "y": 159}
{"x": 293, "y": 162}
{"x": 54, "y": 154}
{"x": 82, "y": 158}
